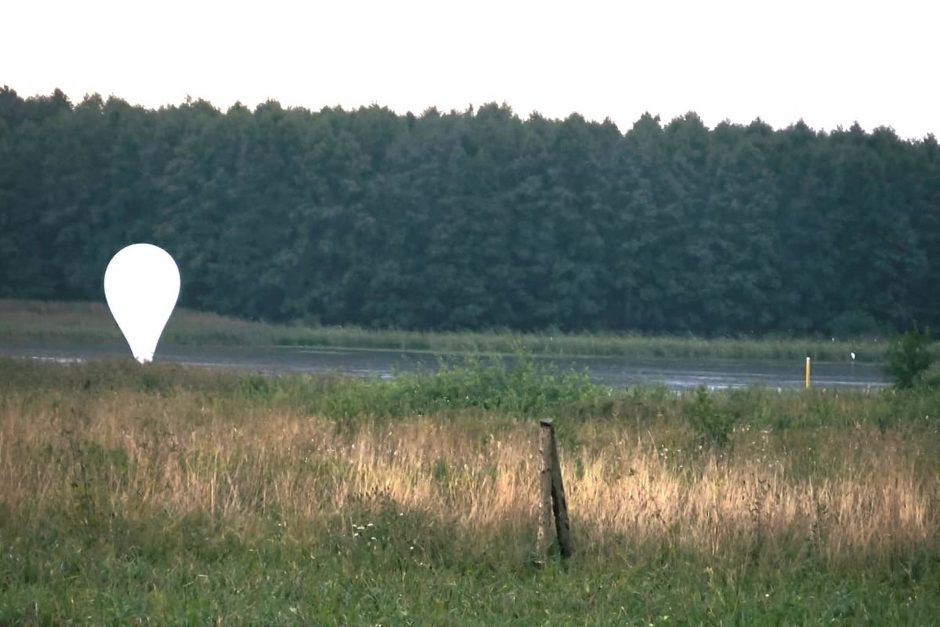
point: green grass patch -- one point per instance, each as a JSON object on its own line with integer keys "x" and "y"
{"x": 191, "y": 570}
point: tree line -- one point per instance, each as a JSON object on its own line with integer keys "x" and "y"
{"x": 476, "y": 219}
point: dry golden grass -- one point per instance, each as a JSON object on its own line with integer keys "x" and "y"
{"x": 859, "y": 493}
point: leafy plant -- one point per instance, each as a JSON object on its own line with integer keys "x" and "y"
{"x": 712, "y": 426}
{"x": 908, "y": 358}
{"x": 521, "y": 386}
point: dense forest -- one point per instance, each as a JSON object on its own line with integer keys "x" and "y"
{"x": 476, "y": 219}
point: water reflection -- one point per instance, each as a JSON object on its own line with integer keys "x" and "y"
{"x": 613, "y": 371}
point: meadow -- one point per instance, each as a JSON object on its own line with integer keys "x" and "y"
{"x": 168, "y": 495}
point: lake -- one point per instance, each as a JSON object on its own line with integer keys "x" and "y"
{"x": 612, "y": 371}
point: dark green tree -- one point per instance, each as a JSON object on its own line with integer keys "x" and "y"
{"x": 475, "y": 219}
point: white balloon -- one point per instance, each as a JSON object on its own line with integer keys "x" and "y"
{"x": 141, "y": 285}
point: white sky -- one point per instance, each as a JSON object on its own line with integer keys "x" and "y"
{"x": 830, "y": 63}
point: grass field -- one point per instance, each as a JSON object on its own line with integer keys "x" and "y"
{"x": 166, "y": 495}
{"x": 55, "y": 323}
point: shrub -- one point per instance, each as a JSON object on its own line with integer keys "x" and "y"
{"x": 522, "y": 386}
{"x": 712, "y": 426}
{"x": 908, "y": 358}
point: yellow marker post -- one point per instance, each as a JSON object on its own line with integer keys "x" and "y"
{"x": 807, "y": 373}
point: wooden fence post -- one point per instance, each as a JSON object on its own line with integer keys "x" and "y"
{"x": 545, "y": 495}
{"x": 551, "y": 495}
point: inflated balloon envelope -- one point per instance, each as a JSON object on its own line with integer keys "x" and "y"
{"x": 141, "y": 285}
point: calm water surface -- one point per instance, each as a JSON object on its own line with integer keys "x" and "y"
{"x": 613, "y": 371}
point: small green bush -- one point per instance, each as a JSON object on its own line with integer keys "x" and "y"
{"x": 522, "y": 386}
{"x": 713, "y": 427}
{"x": 908, "y": 358}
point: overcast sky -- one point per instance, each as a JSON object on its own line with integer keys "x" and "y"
{"x": 830, "y": 63}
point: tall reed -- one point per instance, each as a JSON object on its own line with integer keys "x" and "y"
{"x": 54, "y": 322}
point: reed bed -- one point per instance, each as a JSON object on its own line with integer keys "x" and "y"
{"x": 58, "y": 322}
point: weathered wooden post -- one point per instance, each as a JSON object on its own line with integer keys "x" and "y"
{"x": 551, "y": 495}
{"x": 545, "y": 494}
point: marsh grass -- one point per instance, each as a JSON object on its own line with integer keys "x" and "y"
{"x": 81, "y": 322}
{"x": 57, "y": 322}
{"x": 165, "y": 494}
